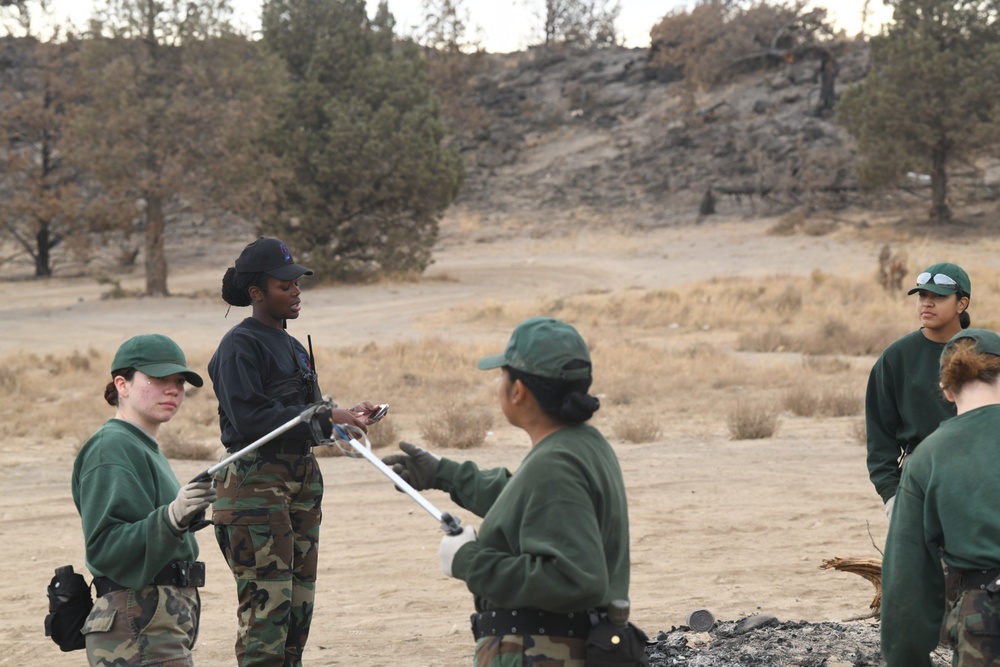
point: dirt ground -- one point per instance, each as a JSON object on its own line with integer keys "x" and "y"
{"x": 735, "y": 527}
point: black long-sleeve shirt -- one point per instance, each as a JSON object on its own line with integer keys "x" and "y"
{"x": 250, "y": 360}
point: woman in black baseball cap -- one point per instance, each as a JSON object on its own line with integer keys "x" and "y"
{"x": 268, "y": 513}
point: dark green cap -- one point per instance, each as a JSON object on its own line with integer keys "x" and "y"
{"x": 155, "y": 355}
{"x": 943, "y": 279}
{"x": 987, "y": 342}
{"x": 543, "y": 346}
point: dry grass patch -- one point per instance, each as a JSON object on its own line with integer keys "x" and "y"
{"x": 632, "y": 429}
{"x": 460, "y": 427}
{"x": 179, "y": 445}
{"x": 664, "y": 352}
{"x": 806, "y": 401}
{"x": 751, "y": 421}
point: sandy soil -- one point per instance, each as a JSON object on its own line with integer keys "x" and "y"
{"x": 734, "y": 527}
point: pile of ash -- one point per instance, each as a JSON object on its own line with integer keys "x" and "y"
{"x": 764, "y": 641}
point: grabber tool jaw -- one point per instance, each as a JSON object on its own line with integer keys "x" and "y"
{"x": 450, "y": 524}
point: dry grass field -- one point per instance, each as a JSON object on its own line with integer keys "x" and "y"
{"x": 730, "y": 359}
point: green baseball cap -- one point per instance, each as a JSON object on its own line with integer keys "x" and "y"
{"x": 543, "y": 346}
{"x": 943, "y": 279}
{"x": 987, "y": 342}
{"x": 155, "y": 355}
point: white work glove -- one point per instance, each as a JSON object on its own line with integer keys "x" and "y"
{"x": 450, "y": 544}
{"x": 191, "y": 500}
{"x": 888, "y": 508}
{"x": 417, "y": 467}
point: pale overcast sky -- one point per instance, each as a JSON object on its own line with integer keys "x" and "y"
{"x": 505, "y": 25}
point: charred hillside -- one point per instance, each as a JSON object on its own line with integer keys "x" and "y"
{"x": 602, "y": 130}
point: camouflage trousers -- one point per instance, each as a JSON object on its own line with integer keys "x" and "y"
{"x": 155, "y": 625}
{"x": 267, "y": 519}
{"x": 529, "y": 651}
{"x": 974, "y": 630}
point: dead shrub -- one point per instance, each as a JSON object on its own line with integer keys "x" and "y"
{"x": 825, "y": 365}
{"x": 801, "y": 402}
{"x": 835, "y": 336}
{"x": 384, "y": 433}
{"x": 788, "y": 224}
{"x": 460, "y": 427}
{"x": 751, "y": 421}
{"x": 716, "y": 39}
{"x": 771, "y": 340}
{"x": 819, "y": 226}
{"x": 633, "y": 430}
{"x": 891, "y": 268}
{"x": 789, "y": 301}
{"x": 178, "y": 445}
{"x": 840, "y": 402}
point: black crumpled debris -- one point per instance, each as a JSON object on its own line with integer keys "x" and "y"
{"x": 760, "y": 640}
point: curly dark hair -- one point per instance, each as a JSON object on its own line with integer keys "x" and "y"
{"x": 236, "y": 286}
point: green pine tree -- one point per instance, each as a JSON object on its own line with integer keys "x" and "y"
{"x": 932, "y": 96}
{"x": 360, "y": 133}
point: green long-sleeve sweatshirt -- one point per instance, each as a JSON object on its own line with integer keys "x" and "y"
{"x": 554, "y": 535}
{"x": 903, "y": 405}
{"x": 946, "y": 509}
{"x": 122, "y": 485}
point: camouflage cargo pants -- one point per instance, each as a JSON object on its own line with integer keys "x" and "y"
{"x": 974, "y": 629}
{"x": 529, "y": 651}
{"x": 155, "y": 625}
{"x": 267, "y": 520}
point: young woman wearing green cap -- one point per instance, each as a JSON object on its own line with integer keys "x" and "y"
{"x": 946, "y": 512}
{"x": 552, "y": 552}
{"x": 268, "y": 513}
{"x": 903, "y": 403}
{"x": 137, "y": 517}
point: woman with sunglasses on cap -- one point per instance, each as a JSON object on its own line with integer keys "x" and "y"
{"x": 946, "y": 512}
{"x": 903, "y": 403}
{"x": 137, "y": 517}
{"x": 552, "y": 553}
{"x": 268, "y": 513}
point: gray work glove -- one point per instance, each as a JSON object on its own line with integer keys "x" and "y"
{"x": 417, "y": 467}
{"x": 888, "y": 507}
{"x": 193, "y": 499}
{"x": 450, "y": 544}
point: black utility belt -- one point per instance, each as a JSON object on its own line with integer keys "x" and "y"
{"x": 973, "y": 580}
{"x": 180, "y": 573}
{"x": 530, "y": 622}
{"x": 296, "y": 447}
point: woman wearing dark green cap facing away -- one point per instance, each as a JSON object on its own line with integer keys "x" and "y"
{"x": 946, "y": 512}
{"x": 552, "y": 553}
{"x": 268, "y": 513}
{"x": 136, "y": 516}
{"x": 903, "y": 403}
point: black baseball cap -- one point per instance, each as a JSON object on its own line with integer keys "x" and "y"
{"x": 272, "y": 257}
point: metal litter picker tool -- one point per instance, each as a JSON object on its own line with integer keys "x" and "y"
{"x": 304, "y": 417}
{"x": 449, "y": 524}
